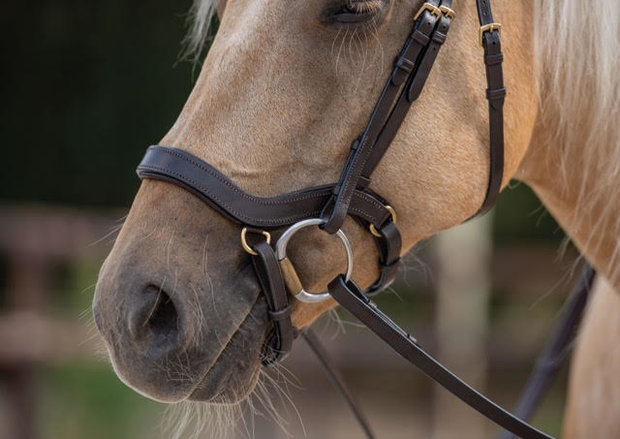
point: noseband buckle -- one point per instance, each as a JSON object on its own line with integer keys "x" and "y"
{"x": 491, "y": 27}
{"x": 291, "y": 279}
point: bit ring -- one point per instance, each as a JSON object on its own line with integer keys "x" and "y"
{"x": 291, "y": 279}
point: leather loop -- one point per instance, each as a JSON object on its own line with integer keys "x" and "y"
{"x": 389, "y": 246}
{"x": 280, "y": 339}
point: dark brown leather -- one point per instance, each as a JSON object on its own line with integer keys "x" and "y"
{"x": 496, "y": 93}
{"x": 280, "y": 339}
{"x": 184, "y": 169}
{"x": 389, "y": 246}
{"x": 350, "y": 297}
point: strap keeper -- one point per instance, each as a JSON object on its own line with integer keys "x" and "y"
{"x": 496, "y": 93}
{"x": 493, "y": 59}
{"x": 393, "y": 265}
{"x": 420, "y": 38}
{"x": 363, "y": 182}
{"x": 438, "y": 37}
{"x": 280, "y": 315}
{"x": 404, "y": 64}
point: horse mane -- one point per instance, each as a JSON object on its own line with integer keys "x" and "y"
{"x": 577, "y": 64}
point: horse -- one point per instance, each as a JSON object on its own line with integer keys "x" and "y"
{"x": 284, "y": 89}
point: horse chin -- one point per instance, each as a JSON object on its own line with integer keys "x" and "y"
{"x": 233, "y": 376}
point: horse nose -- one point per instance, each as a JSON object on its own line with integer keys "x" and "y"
{"x": 153, "y": 319}
{"x": 141, "y": 319}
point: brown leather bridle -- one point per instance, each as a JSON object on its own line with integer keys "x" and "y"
{"x": 329, "y": 205}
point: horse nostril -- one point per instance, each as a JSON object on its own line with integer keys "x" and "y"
{"x": 162, "y": 319}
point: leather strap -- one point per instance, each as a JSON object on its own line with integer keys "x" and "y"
{"x": 211, "y": 186}
{"x": 349, "y": 296}
{"x": 389, "y": 246}
{"x": 280, "y": 339}
{"x": 496, "y": 93}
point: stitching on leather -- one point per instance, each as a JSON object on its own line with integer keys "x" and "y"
{"x": 260, "y": 200}
{"x": 227, "y": 207}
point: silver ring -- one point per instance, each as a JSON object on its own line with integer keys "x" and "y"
{"x": 302, "y": 295}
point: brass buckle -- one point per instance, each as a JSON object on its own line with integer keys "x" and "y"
{"x": 491, "y": 27}
{"x": 428, "y": 7}
{"x": 244, "y": 242}
{"x": 448, "y": 12}
{"x": 374, "y": 230}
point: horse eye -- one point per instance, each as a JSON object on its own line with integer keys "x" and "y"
{"x": 356, "y": 11}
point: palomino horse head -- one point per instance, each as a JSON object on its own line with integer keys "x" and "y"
{"x": 284, "y": 90}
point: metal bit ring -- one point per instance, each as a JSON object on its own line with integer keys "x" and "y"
{"x": 289, "y": 273}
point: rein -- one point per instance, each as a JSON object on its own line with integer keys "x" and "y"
{"x": 327, "y": 207}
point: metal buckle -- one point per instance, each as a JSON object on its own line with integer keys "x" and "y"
{"x": 491, "y": 27}
{"x": 372, "y": 227}
{"x": 244, "y": 242}
{"x": 428, "y": 7}
{"x": 448, "y": 12}
{"x": 291, "y": 279}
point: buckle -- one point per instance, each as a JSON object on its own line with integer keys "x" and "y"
{"x": 491, "y": 27}
{"x": 448, "y": 12}
{"x": 372, "y": 227}
{"x": 430, "y": 8}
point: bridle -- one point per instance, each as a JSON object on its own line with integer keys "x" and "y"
{"x": 327, "y": 206}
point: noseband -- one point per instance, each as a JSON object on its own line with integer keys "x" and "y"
{"x": 327, "y": 206}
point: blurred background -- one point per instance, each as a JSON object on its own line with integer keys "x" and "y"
{"x": 84, "y": 88}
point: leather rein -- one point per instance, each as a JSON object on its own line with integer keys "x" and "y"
{"x": 327, "y": 207}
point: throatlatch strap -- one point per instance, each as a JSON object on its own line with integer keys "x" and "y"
{"x": 349, "y": 296}
{"x": 496, "y": 93}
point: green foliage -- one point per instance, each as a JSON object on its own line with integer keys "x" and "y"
{"x": 88, "y": 401}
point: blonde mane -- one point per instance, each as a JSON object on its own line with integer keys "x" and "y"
{"x": 577, "y": 63}
{"x": 199, "y": 22}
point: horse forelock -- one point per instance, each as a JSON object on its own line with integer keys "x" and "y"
{"x": 199, "y": 22}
